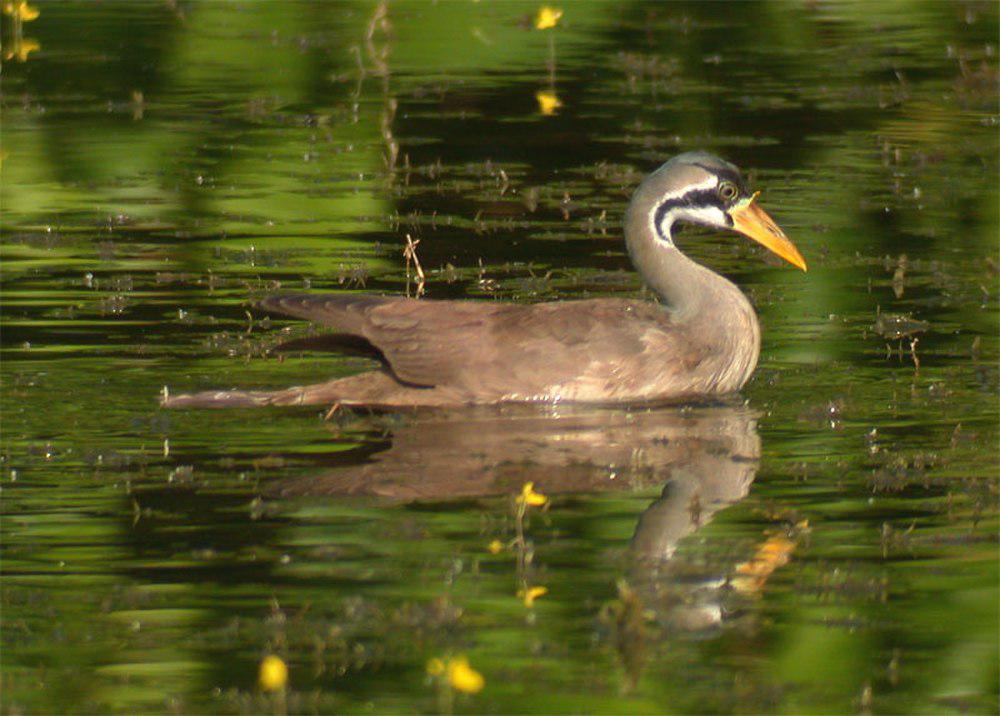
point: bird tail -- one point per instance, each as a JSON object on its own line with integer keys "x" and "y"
{"x": 345, "y": 313}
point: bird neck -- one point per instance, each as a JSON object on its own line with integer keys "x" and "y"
{"x": 691, "y": 292}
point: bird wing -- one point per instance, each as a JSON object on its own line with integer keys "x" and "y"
{"x": 487, "y": 349}
{"x": 424, "y": 342}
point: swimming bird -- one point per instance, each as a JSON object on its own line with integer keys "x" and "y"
{"x": 701, "y": 340}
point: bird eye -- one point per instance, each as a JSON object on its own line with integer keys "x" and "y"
{"x": 728, "y": 191}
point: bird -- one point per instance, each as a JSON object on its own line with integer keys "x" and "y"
{"x": 700, "y": 340}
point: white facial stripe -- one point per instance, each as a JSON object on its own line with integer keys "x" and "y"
{"x": 710, "y": 183}
{"x": 665, "y": 226}
{"x": 706, "y": 215}
{"x": 668, "y": 219}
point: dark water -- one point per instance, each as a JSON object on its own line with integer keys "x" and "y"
{"x": 828, "y": 543}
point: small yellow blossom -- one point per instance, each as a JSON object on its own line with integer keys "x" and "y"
{"x": 463, "y": 677}
{"x": 548, "y": 102}
{"x": 458, "y": 674}
{"x": 20, "y": 48}
{"x": 530, "y": 594}
{"x": 495, "y": 547}
{"x": 20, "y": 10}
{"x": 528, "y": 496}
{"x": 547, "y": 17}
{"x": 273, "y": 674}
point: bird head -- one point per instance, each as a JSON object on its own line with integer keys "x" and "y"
{"x": 700, "y": 188}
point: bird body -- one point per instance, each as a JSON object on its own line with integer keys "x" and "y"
{"x": 703, "y": 340}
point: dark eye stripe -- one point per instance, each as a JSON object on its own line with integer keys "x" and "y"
{"x": 695, "y": 199}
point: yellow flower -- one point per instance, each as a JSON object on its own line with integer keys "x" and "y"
{"x": 528, "y": 496}
{"x": 530, "y": 594}
{"x": 548, "y": 102}
{"x": 547, "y": 17}
{"x": 463, "y": 677}
{"x": 495, "y": 547}
{"x": 21, "y": 10}
{"x": 458, "y": 674}
{"x": 273, "y": 675}
{"x": 20, "y": 48}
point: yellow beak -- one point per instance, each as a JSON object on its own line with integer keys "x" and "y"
{"x": 754, "y": 223}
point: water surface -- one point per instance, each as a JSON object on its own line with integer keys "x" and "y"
{"x": 827, "y": 542}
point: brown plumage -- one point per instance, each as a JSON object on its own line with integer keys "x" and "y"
{"x": 711, "y": 450}
{"x": 703, "y": 341}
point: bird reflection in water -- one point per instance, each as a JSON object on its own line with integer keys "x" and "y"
{"x": 704, "y": 457}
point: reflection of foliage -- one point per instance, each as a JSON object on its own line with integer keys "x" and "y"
{"x": 19, "y": 47}
{"x": 626, "y": 619}
{"x": 20, "y": 10}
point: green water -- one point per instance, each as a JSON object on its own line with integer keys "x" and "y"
{"x": 826, "y": 543}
